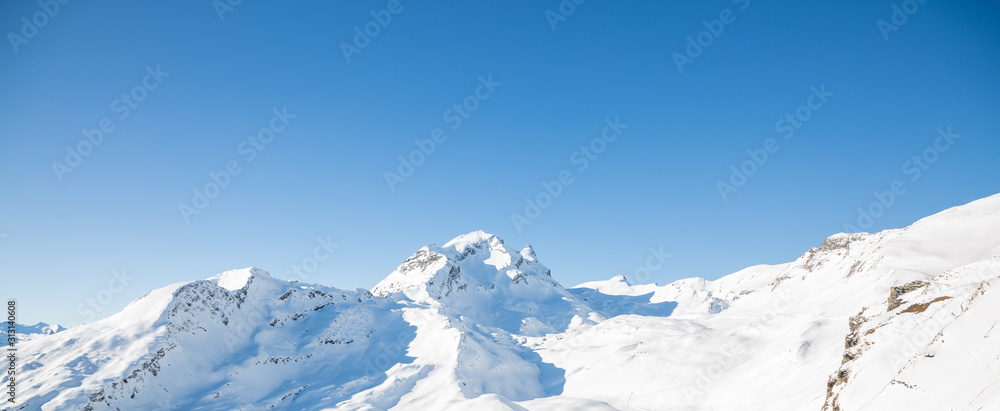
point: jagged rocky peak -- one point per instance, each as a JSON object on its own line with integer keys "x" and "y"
{"x": 837, "y": 244}
{"x": 487, "y": 248}
{"x": 477, "y": 260}
{"x": 841, "y": 241}
{"x": 528, "y": 253}
{"x": 420, "y": 260}
{"x": 478, "y": 325}
{"x": 837, "y": 248}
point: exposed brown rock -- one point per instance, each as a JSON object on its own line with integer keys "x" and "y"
{"x": 896, "y": 292}
{"x": 919, "y": 308}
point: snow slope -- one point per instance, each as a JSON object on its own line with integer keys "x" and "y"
{"x": 901, "y": 319}
{"x": 440, "y": 332}
{"x": 774, "y": 337}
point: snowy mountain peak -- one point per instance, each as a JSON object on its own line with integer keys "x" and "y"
{"x": 478, "y": 276}
{"x": 900, "y": 319}
{"x": 46, "y": 329}
{"x": 236, "y": 279}
{"x": 528, "y": 253}
{"x": 474, "y": 261}
{"x": 471, "y": 239}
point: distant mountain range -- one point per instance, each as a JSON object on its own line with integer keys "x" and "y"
{"x": 898, "y": 320}
{"x": 30, "y": 332}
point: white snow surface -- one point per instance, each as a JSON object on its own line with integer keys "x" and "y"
{"x": 475, "y": 324}
{"x": 24, "y": 332}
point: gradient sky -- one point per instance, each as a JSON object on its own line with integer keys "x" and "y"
{"x": 323, "y": 175}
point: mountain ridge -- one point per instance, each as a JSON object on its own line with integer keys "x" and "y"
{"x": 476, "y": 323}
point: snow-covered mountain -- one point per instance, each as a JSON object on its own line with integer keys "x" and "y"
{"x": 26, "y": 332}
{"x": 901, "y": 319}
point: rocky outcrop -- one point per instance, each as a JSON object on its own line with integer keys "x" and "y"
{"x": 896, "y": 292}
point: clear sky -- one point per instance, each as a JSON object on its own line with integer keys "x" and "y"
{"x": 182, "y": 92}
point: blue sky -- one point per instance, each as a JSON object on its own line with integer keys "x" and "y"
{"x": 322, "y": 171}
